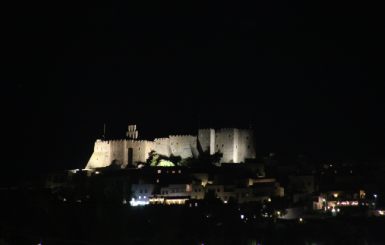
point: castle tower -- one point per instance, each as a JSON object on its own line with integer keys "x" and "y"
{"x": 206, "y": 140}
{"x": 132, "y": 133}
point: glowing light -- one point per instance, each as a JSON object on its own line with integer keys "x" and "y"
{"x": 375, "y": 195}
{"x": 278, "y": 213}
{"x": 180, "y": 201}
{"x": 381, "y": 212}
{"x": 269, "y": 199}
{"x": 300, "y": 220}
{"x": 335, "y": 195}
{"x": 165, "y": 163}
{"x": 242, "y": 216}
{"x": 225, "y": 202}
{"x": 135, "y": 203}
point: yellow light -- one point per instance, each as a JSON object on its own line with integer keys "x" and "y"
{"x": 335, "y": 195}
{"x": 269, "y": 199}
{"x": 300, "y": 220}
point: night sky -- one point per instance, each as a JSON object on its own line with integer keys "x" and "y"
{"x": 307, "y": 77}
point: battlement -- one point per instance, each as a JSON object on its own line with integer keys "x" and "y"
{"x": 181, "y": 136}
{"x": 235, "y": 144}
{"x": 161, "y": 139}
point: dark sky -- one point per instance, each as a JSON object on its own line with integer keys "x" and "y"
{"x": 308, "y": 76}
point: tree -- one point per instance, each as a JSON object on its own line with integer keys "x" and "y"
{"x": 154, "y": 159}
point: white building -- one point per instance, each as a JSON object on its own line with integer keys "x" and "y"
{"x": 236, "y": 145}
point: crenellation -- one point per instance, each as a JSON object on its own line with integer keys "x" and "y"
{"x": 236, "y": 145}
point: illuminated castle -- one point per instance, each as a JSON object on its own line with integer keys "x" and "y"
{"x": 236, "y": 145}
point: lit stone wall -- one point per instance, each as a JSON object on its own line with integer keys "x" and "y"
{"x": 245, "y": 145}
{"x": 140, "y": 151}
{"x": 184, "y": 146}
{"x": 101, "y": 155}
{"x": 162, "y": 146}
{"x": 117, "y": 152}
{"x": 224, "y": 143}
{"x": 206, "y": 140}
{"x": 236, "y": 145}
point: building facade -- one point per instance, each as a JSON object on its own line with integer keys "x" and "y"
{"x": 236, "y": 145}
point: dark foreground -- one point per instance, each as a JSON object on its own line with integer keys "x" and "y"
{"x": 27, "y": 217}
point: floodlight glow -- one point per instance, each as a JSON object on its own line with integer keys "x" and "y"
{"x": 135, "y": 203}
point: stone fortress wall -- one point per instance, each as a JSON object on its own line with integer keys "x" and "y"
{"x": 236, "y": 145}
